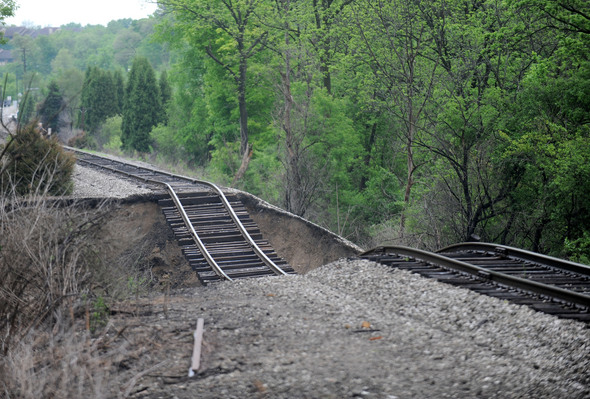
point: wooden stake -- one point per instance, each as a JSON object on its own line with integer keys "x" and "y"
{"x": 196, "y": 361}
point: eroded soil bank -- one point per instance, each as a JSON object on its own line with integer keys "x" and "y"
{"x": 134, "y": 233}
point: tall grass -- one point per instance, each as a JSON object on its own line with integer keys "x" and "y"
{"x": 52, "y": 315}
{"x": 46, "y": 258}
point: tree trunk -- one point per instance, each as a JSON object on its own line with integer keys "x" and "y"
{"x": 244, "y": 166}
{"x": 242, "y": 106}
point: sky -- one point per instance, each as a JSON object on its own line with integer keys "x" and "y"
{"x": 94, "y": 12}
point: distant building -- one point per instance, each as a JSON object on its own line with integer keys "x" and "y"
{"x": 6, "y": 57}
{"x": 9, "y": 32}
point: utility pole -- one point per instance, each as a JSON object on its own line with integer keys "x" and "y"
{"x": 25, "y": 61}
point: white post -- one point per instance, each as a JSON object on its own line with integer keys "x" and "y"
{"x": 196, "y": 360}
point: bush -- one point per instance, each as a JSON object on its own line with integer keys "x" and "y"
{"x": 34, "y": 164}
{"x": 46, "y": 259}
{"x": 65, "y": 364}
{"x": 110, "y": 134}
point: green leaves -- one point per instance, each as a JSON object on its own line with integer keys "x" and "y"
{"x": 142, "y": 107}
{"x": 99, "y": 99}
{"x": 51, "y": 108}
{"x": 462, "y": 116}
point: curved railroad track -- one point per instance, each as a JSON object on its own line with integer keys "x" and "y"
{"x": 217, "y": 236}
{"x": 544, "y": 283}
{"x": 221, "y": 242}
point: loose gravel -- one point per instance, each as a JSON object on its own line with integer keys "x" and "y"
{"x": 359, "y": 329}
{"x": 90, "y": 183}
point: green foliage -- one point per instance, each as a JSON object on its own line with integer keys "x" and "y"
{"x": 7, "y": 8}
{"x": 33, "y": 164}
{"x": 108, "y": 135}
{"x": 421, "y": 122}
{"x": 99, "y": 99}
{"x": 165, "y": 93}
{"x": 166, "y": 143}
{"x": 550, "y": 138}
{"x": 579, "y": 249}
{"x": 119, "y": 94}
{"x": 450, "y": 114}
{"x": 51, "y": 108}
{"x": 142, "y": 107}
{"x": 99, "y": 315}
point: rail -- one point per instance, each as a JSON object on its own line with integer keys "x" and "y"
{"x": 483, "y": 273}
{"x": 520, "y": 254}
{"x": 259, "y": 252}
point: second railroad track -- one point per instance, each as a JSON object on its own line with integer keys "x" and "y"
{"x": 544, "y": 283}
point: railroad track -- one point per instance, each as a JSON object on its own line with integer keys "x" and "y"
{"x": 214, "y": 230}
{"x": 221, "y": 242}
{"x": 544, "y": 283}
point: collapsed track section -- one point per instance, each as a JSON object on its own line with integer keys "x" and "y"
{"x": 544, "y": 283}
{"x": 217, "y": 236}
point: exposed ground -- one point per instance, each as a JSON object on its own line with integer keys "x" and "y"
{"x": 135, "y": 233}
{"x": 346, "y": 330}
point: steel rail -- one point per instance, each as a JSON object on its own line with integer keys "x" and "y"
{"x": 216, "y": 268}
{"x": 267, "y": 261}
{"x": 480, "y": 272}
{"x": 519, "y": 254}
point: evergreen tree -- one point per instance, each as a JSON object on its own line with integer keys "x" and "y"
{"x": 99, "y": 99}
{"x": 165, "y": 95}
{"x": 51, "y": 108}
{"x": 141, "y": 108}
{"x": 119, "y": 91}
{"x": 34, "y": 163}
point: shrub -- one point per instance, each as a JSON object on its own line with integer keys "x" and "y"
{"x": 34, "y": 164}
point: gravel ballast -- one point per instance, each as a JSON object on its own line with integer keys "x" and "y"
{"x": 90, "y": 183}
{"x": 359, "y": 329}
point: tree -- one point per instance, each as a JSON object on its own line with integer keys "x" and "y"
{"x": 325, "y": 14}
{"x": 549, "y": 136}
{"x": 226, "y": 31}
{"x": 7, "y": 9}
{"x": 141, "y": 108}
{"x": 396, "y": 44}
{"x": 165, "y": 93}
{"x": 99, "y": 99}
{"x": 571, "y": 16}
{"x": 25, "y": 46}
{"x": 125, "y": 47}
{"x": 35, "y": 164}
{"x": 119, "y": 91}
{"x": 294, "y": 115}
{"x": 63, "y": 61}
{"x": 51, "y": 108}
{"x": 483, "y": 54}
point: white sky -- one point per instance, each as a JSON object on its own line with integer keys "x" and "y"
{"x": 94, "y": 12}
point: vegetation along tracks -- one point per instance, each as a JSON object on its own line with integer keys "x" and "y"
{"x": 544, "y": 283}
{"x": 216, "y": 233}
